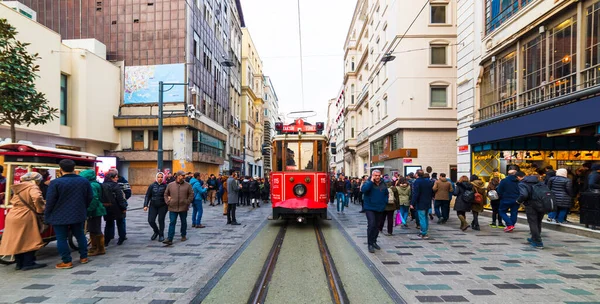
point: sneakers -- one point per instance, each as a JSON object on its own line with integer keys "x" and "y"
{"x": 371, "y": 249}
{"x": 183, "y": 239}
{"x": 64, "y": 265}
{"x": 549, "y": 220}
{"x": 493, "y": 225}
{"x": 376, "y": 246}
{"x": 425, "y": 237}
{"x": 84, "y": 261}
{"x": 501, "y": 226}
{"x": 168, "y": 242}
{"x": 509, "y": 228}
{"x": 161, "y": 238}
{"x": 539, "y": 245}
{"x": 155, "y": 235}
{"x": 200, "y": 226}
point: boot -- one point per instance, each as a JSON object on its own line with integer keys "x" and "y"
{"x": 101, "y": 249}
{"x": 92, "y": 251}
{"x": 463, "y": 223}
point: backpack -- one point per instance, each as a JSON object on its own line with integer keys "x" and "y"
{"x": 542, "y": 198}
{"x": 391, "y": 200}
{"x": 493, "y": 195}
{"x": 107, "y": 197}
{"x": 468, "y": 196}
{"x": 478, "y": 198}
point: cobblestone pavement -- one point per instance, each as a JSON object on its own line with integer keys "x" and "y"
{"x": 487, "y": 266}
{"x": 140, "y": 270}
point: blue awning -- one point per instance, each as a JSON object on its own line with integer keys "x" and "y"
{"x": 577, "y": 114}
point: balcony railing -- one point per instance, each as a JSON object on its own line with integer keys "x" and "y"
{"x": 591, "y": 76}
{"x": 537, "y": 95}
{"x": 362, "y": 136}
{"x": 362, "y": 94}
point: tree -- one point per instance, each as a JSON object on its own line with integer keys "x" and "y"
{"x": 20, "y": 103}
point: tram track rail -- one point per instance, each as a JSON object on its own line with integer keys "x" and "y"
{"x": 336, "y": 288}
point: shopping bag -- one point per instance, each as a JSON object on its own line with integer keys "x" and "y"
{"x": 399, "y": 219}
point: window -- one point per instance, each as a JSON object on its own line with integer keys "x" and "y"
{"x": 378, "y": 113}
{"x": 592, "y": 46}
{"x": 377, "y": 148}
{"x": 385, "y": 106}
{"x": 352, "y": 94}
{"x": 352, "y": 65}
{"x": 498, "y": 11}
{"x": 438, "y": 14}
{"x": 352, "y": 126}
{"x": 63, "y": 100}
{"x": 563, "y": 56}
{"x": 439, "y": 97}
{"x": 438, "y": 54}
{"x": 196, "y": 46}
{"x": 137, "y": 138}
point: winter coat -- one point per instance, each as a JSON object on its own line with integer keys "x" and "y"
{"x": 562, "y": 188}
{"x": 526, "y": 187}
{"x": 459, "y": 203}
{"x": 404, "y": 195}
{"x": 508, "y": 189}
{"x": 479, "y": 187}
{"x": 375, "y": 196}
{"x": 125, "y": 187}
{"x": 443, "y": 189}
{"x": 550, "y": 174}
{"x": 233, "y": 191}
{"x": 96, "y": 208}
{"x": 394, "y": 192}
{"x": 118, "y": 203}
{"x": 155, "y": 195}
{"x": 593, "y": 180}
{"x": 212, "y": 184}
{"x": 340, "y": 186}
{"x": 198, "y": 191}
{"x": 422, "y": 193}
{"x": 21, "y": 229}
{"x": 225, "y": 197}
{"x": 179, "y": 196}
{"x": 68, "y": 198}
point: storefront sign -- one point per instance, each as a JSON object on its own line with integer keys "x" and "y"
{"x": 407, "y": 161}
{"x": 484, "y": 157}
{"x": 398, "y": 153}
{"x": 463, "y": 149}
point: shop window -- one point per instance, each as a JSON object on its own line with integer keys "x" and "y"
{"x": 63, "y": 100}
{"x": 137, "y": 138}
{"x": 438, "y": 13}
{"x": 439, "y": 97}
{"x": 592, "y": 46}
{"x": 438, "y": 54}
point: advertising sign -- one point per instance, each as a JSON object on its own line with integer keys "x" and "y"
{"x": 104, "y": 164}
{"x": 141, "y": 83}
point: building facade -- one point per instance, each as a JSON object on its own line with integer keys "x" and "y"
{"x": 234, "y": 146}
{"x": 76, "y": 80}
{"x": 533, "y": 88}
{"x": 252, "y": 106}
{"x": 270, "y": 117}
{"x": 181, "y": 42}
{"x": 400, "y": 114}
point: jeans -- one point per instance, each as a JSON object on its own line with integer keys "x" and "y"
{"x": 534, "y": 219}
{"x": 389, "y": 215}
{"x": 442, "y": 209}
{"x": 346, "y": 199}
{"x": 373, "y": 219}
{"x": 424, "y": 221}
{"x": 173, "y": 219}
{"x": 404, "y": 214}
{"x": 219, "y": 197}
{"x": 496, "y": 212}
{"x": 62, "y": 232}
{"x": 109, "y": 229}
{"x": 161, "y": 213}
{"x": 197, "y": 212}
{"x": 560, "y": 215}
{"x": 340, "y": 198}
{"x": 514, "y": 212}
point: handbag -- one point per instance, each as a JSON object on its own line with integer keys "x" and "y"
{"x": 493, "y": 195}
{"x": 399, "y": 219}
{"x": 38, "y": 216}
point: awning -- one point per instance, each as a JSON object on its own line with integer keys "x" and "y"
{"x": 577, "y": 114}
{"x": 237, "y": 159}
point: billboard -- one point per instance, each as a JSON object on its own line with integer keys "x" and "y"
{"x": 141, "y": 83}
{"x": 103, "y": 164}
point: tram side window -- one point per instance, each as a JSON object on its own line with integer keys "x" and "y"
{"x": 279, "y": 156}
{"x": 320, "y": 156}
{"x": 307, "y": 155}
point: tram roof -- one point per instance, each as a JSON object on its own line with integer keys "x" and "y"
{"x": 17, "y": 147}
{"x": 281, "y": 137}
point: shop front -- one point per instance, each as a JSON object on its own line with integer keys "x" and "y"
{"x": 393, "y": 161}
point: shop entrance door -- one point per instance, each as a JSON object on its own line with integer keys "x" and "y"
{"x": 453, "y": 173}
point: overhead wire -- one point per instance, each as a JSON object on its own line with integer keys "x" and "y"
{"x": 410, "y": 26}
{"x": 301, "y": 60}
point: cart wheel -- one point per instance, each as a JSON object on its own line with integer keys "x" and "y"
{"x": 7, "y": 259}
{"x": 73, "y": 241}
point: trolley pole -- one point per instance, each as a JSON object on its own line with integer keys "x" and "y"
{"x": 160, "y": 126}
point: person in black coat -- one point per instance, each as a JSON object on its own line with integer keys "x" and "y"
{"x": 460, "y": 206}
{"x": 562, "y": 188}
{"x": 115, "y": 208}
{"x": 254, "y": 188}
{"x": 154, "y": 202}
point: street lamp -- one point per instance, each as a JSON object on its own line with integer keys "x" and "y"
{"x": 387, "y": 58}
{"x": 161, "y": 90}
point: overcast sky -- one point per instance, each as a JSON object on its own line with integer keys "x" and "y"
{"x": 273, "y": 25}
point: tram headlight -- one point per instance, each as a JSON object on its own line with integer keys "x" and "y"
{"x": 299, "y": 190}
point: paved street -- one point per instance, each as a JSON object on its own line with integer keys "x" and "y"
{"x": 488, "y": 266}
{"x": 139, "y": 271}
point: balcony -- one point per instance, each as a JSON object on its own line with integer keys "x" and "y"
{"x": 362, "y": 136}
{"x": 364, "y": 93}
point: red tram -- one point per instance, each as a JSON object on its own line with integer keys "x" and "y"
{"x": 299, "y": 180}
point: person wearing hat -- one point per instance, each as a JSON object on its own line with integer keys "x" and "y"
{"x": 22, "y": 228}
{"x": 178, "y": 196}
{"x": 562, "y": 188}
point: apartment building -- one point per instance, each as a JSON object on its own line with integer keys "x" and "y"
{"x": 234, "y": 68}
{"x": 529, "y": 85}
{"x": 77, "y": 80}
{"x": 270, "y": 117}
{"x": 252, "y": 107}
{"x": 399, "y": 111}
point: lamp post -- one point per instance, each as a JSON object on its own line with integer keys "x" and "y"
{"x": 161, "y": 90}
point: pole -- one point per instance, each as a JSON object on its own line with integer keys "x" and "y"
{"x": 160, "y": 126}
{"x": 244, "y": 163}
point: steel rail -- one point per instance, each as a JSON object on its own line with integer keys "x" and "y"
{"x": 259, "y": 292}
{"x": 338, "y": 294}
